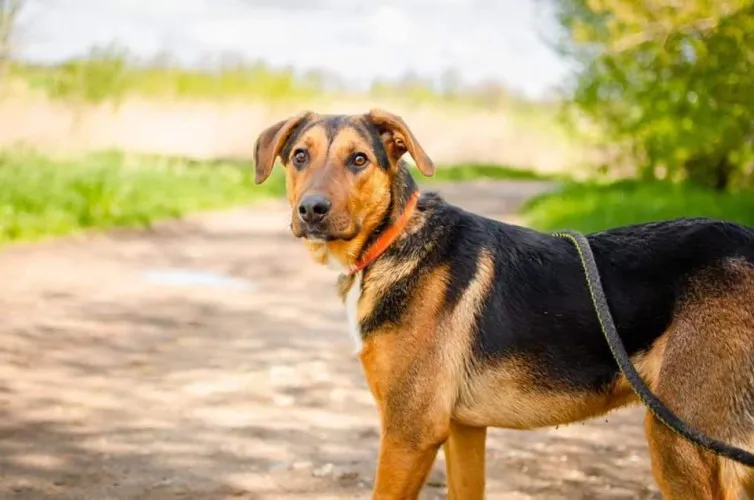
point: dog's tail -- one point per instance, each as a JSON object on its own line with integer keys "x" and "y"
{"x": 646, "y": 396}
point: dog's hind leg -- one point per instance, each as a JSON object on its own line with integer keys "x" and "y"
{"x": 465, "y": 462}
{"x": 682, "y": 470}
{"x": 707, "y": 379}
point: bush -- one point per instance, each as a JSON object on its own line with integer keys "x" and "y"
{"x": 672, "y": 85}
{"x": 596, "y": 206}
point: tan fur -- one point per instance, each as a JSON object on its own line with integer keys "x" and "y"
{"x": 648, "y": 364}
{"x": 508, "y": 395}
{"x": 465, "y": 447}
{"x": 384, "y": 274}
{"x": 271, "y": 141}
{"x": 414, "y": 372}
{"x": 400, "y": 140}
{"x": 457, "y": 330}
{"x": 465, "y": 458}
{"x": 359, "y": 202}
{"x": 401, "y": 366}
{"x": 707, "y": 364}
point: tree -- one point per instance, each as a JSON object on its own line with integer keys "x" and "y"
{"x": 9, "y": 11}
{"x": 672, "y": 82}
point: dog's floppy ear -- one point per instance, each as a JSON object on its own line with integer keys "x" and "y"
{"x": 271, "y": 142}
{"x": 398, "y": 139}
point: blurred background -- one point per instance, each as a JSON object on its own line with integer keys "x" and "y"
{"x": 647, "y": 90}
{"x": 155, "y": 312}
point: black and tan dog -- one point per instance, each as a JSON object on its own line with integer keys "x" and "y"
{"x": 464, "y": 323}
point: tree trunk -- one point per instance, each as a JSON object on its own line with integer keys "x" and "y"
{"x": 723, "y": 173}
{"x": 711, "y": 171}
{"x": 9, "y": 10}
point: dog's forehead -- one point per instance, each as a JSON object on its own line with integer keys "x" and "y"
{"x": 330, "y": 128}
{"x": 334, "y": 125}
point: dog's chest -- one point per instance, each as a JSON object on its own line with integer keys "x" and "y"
{"x": 351, "y": 295}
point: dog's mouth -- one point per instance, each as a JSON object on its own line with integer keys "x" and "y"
{"x": 324, "y": 237}
{"x": 319, "y": 236}
{"x": 324, "y": 233}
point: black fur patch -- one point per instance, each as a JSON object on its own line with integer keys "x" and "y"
{"x": 421, "y": 246}
{"x": 370, "y": 134}
{"x": 539, "y": 306}
{"x": 332, "y": 125}
{"x": 296, "y": 133}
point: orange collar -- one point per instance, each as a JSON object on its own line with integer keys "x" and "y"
{"x": 387, "y": 238}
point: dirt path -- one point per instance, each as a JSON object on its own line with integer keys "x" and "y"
{"x": 119, "y": 382}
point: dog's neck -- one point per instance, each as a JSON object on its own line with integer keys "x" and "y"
{"x": 403, "y": 200}
{"x": 401, "y": 191}
{"x": 386, "y": 239}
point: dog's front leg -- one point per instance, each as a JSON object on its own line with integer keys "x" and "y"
{"x": 465, "y": 462}
{"x": 403, "y": 466}
{"x": 414, "y": 402}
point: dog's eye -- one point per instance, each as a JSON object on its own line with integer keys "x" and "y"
{"x": 359, "y": 160}
{"x": 300, "y": 157}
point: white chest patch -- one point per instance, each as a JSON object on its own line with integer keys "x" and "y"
{"x": 352, "y": 310}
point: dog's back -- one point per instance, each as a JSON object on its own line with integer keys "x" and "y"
{"x": 540, "y": 304}
{"x": 682, "y": 296}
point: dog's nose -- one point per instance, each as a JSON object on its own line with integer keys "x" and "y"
{"x": 313, "y": 208}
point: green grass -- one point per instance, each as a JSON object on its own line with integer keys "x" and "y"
{"x": 41, "y": 197}
{"x": 110, "y": 73}
{"x": 474, "y": 171}
{"x": 95, "y": 81}
{"x": 593, "y": 206}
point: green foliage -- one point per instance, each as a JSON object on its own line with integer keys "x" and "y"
{"x": 111, "y": 72}
{"x": 256, "y": 81}
{"x": 42, "y": 197}
{"x": 9, "y": 11}
{"x": 594, "y": 207}
{"x": 477, "y": 171}
{"x": 671, "y": 82}
{"x": 103, "y": 74}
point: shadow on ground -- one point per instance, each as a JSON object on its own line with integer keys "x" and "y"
{"x": 113, "y": 386}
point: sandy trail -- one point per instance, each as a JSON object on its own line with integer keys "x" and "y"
{"x": 116, "y": 383}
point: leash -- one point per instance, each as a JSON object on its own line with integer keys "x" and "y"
{"x": 657, "y": 407}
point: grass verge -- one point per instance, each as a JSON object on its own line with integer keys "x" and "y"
{"x": 41, "y": 197}
{"x": 593, "y": 206}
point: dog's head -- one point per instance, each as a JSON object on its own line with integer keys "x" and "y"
{"x": 340, "y": 174}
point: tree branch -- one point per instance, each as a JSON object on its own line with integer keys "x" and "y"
{"x": 9, "y": 11}
{"x": 658, "y": 30}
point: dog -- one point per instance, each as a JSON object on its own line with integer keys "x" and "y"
{"x": 462, "y": 322}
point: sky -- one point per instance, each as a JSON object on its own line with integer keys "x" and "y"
{"x": 360, "y": 40}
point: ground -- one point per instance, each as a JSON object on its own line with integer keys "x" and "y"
{"x": 120, "y": 380}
